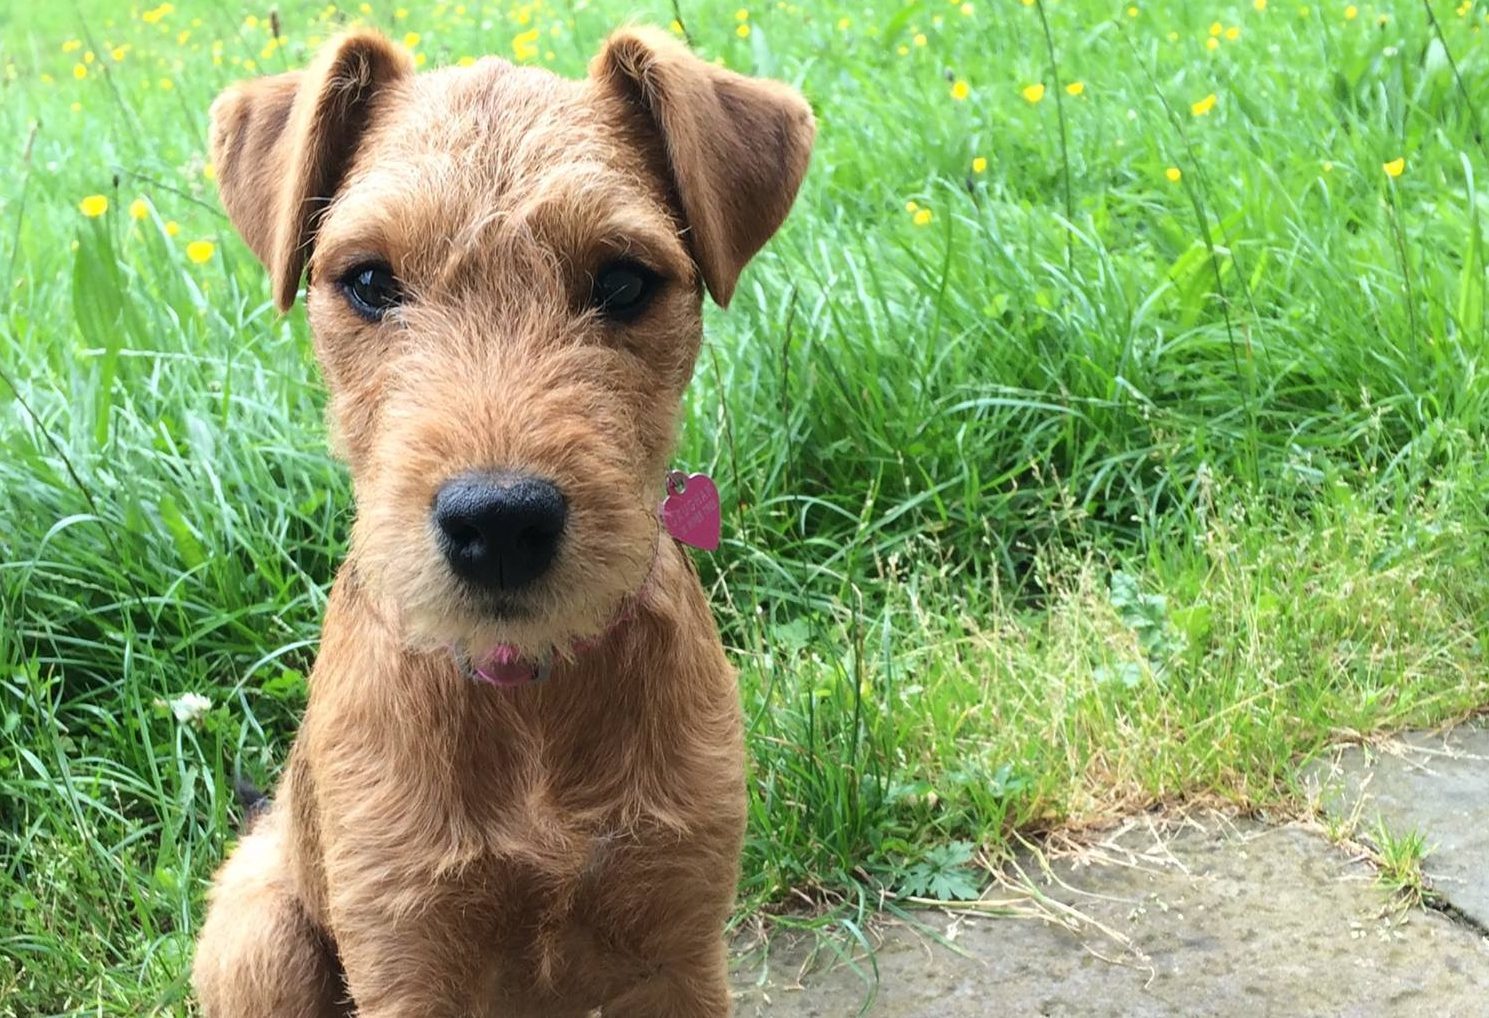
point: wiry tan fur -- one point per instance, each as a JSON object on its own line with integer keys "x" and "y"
{"x": 439, "y": 847}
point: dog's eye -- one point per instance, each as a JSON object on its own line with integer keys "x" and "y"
{"x": 372, "y": 290}
{"x": 623, "y": 289}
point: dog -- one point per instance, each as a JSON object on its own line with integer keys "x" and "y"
{"x": 518, "y": 787}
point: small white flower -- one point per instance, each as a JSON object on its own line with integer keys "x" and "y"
{"x": 190, "y": 708}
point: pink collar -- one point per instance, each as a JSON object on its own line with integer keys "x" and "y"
{"x": 690, "y": 514}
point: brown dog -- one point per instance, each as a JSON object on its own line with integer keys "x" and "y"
{"x": 505, "y": 277}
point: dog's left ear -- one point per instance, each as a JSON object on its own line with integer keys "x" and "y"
{"x": 282, "y": 144}
{"x": 737, "y": 147}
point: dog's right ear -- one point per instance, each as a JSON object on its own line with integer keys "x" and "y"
{"x": 281, "y": 146}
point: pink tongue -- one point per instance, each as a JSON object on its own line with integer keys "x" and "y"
{"x": 505, "y": 666}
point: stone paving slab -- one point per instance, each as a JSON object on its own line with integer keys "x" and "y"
{"x": 1434, "y": 784}
{"x": 1241, "y": 920}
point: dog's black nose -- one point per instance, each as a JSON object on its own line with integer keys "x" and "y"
{"x": 500, "y": 531}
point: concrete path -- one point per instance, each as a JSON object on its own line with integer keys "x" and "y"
{"x": 1202, "y": 918}
{"x": 1436, "y": 785}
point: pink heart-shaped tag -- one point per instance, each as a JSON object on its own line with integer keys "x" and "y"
{"x": 690, "y": 511}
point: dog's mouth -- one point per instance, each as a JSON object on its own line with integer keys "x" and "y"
{"x": 507, "y": 665}
{"x": 510, "y": 638}
{"x": 500, "y": 607}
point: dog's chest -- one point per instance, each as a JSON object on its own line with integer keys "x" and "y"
{"x": 563, "y": 916}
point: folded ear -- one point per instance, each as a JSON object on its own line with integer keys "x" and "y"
{"x": 282, "y": 144}
{"x": 737, "y": 147}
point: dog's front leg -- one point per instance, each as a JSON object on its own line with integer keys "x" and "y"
{"x": 258, "y": 952}
{"x": 400, "y": 965}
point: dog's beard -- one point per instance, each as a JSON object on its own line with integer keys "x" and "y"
{"x": 588, "y": 586}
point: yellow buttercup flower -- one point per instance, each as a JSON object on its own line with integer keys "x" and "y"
{"x": 922, "y": 217}
{"x": 1076, "y": 87}
{"x": 1351, "y": 12}
{"x": 79, "y": 71}
{"x": 920, "y": 39}
{"x": 911, "y": 206}
{"x": 1204, "y": 106}
{"x": 172, "y": 227}
{"x": 118, "y": 53}
{"x": 1033, "y": 93}
{"x": 1395, "y": 167}
{"x": 1216, "y": 28}
{"x": 979, "y": 164}
{"x": 1260, "y": 5}
{"x": 94, "y": 205}
{"x": 524, "y": 45}
{"x": 209, "y": 171}
{"x": 1173, "y": 174}
{"x": 960, "y": 90}
{"x": 72, "y": 45}
{"x": 139, "y": 209}
{"x": 200, "y": 251}
{"x": 741, "y": 15}
{"x": 465, "y": 61}
{"x": 411, "y": 39}
{"x": 1212, "y": 43}
{"x": 743, "y": 31}
{"x": 1232, "y": 33}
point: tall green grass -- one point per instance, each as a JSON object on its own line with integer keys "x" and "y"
{"x": 1074, "y": 489}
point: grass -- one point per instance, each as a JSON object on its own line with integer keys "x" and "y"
{"x": 1399, "y": 858}
{"x": 1077, "y": 486}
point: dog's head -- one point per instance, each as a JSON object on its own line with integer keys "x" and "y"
{"x": 505, "y": 272}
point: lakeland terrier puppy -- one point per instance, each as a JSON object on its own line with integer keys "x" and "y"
{"x": 518, "y": 789}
